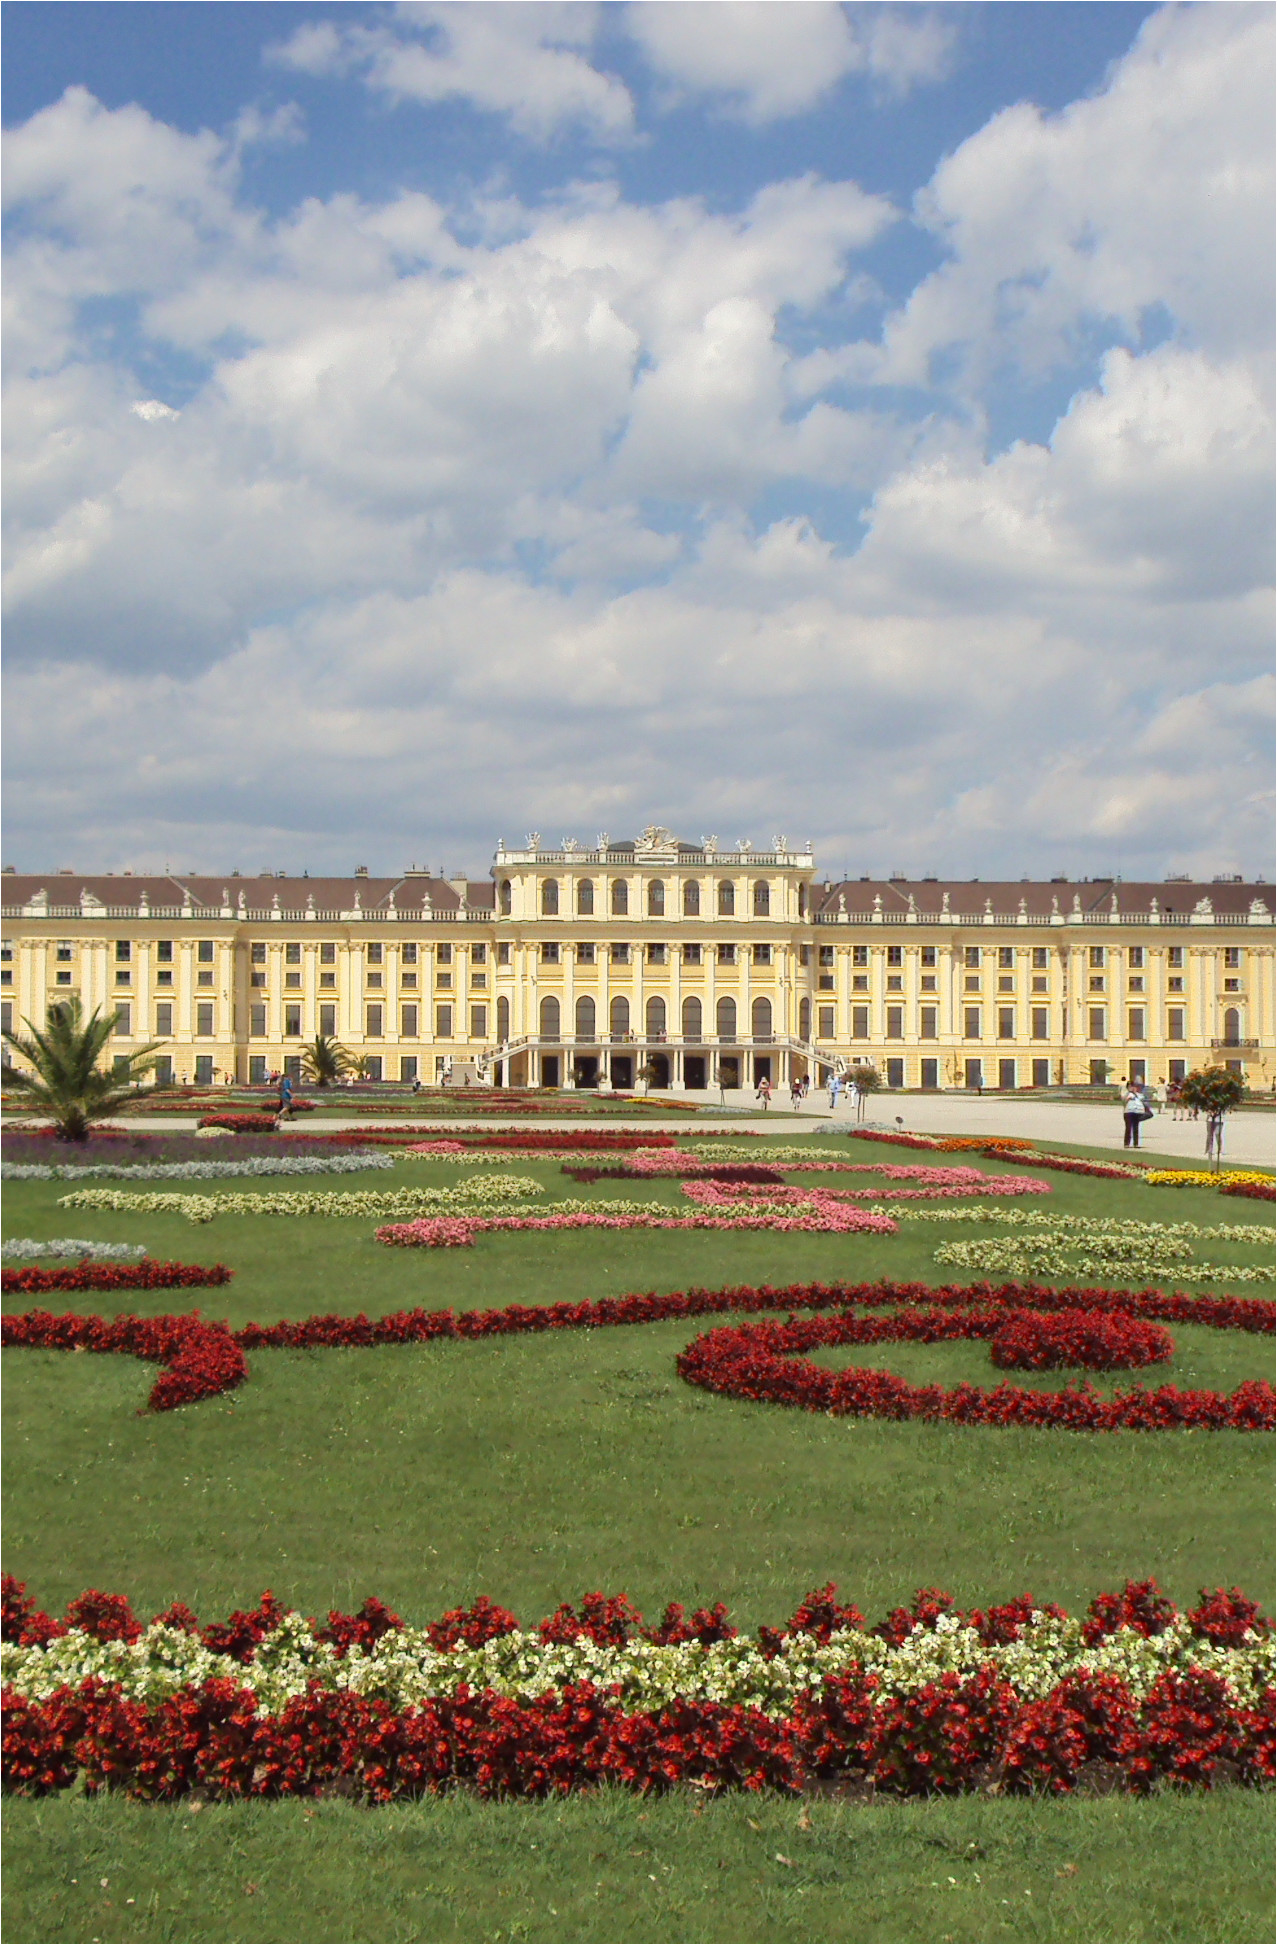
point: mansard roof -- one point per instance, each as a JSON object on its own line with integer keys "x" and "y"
{"x": 68, "y": 893}
{"x": 962, "y": 898}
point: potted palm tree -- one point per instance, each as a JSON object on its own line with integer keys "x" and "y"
{"x": 63, "y": 1078}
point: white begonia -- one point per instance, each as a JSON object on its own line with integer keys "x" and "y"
{"x": 468, "y": 1198}
{"x": 201, "y": 1171}
{"x": 82, "y": 1246}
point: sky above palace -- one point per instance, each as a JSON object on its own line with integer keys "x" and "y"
{"x": 430, "y": 423}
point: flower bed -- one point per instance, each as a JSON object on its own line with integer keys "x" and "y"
{"x": 84, "y": 1246}
{"x": 200, "y": 1359}
{"x": 241, "y": 1124}
{"x": 1198, "y": 1178}
{"x": 1095, "y": 1250}
{"x": 1251, "y": 1191}
{"x": 1011, "y": 1698}
{"x": 1030, "y": 1340}
{"x": 106, "y": 1275}
{"x": 200, "y": 1171}
{"x": 39, "y": 1328}
{"x": 808, "y": 1212}
{"x": 471, "y": 1196}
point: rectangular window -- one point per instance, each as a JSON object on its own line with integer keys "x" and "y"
{"x": 727, "y": 955}
{"x": 478, "y": 1022}
{"x": 928, "y": 982}
{"x": 256, "y": 953}
{"x": 6, "y": 1016}
{"x": 895, "y": 955}
{"x": 1006, "y": 956}
{"x": 372, "y": 1022}
{"x": 971, "y": 955}
{"x": 860, "y": 955}
{"x": 443, "y": 1023}
{"x": 1137, "y": 982}
{"x": 1095, "y": 1023}
{"x": 123, "y": 951}
{"x": 1041, "y": 1073}
{"x": 691, "y": 955}
{"x": 762, "y": 955}
{"x": 443, "y": 955}
{"x": 407, "y": 953}
{"x": 293, "y": 981}
{"x": 1135, "y": 1023}
{"x": 826, "y": 1019}
{"x": 478, "y": 980}
{"x": 1006, "y": 983}
{"x": 256, "y": 1069}
{"x": 293, "y": 1022}
{"x": 328, "y": 1021}
{"x": 895, "y": 983}
{"x": 64, "y": 949}
{"x": 1040, "y": 961}
{"x": 1095, "y": 956}
{"x": 826, "y": 982}
{"x": 204, "y": 1019}
{"x": 895, "y": 1023}
{"x": 1135, "y": 955}
{"x": 1040, "y": 1023}
{"x": 124, "y": 1018}
{"x": 292, "y": 955}
{"x": 1176, "y": 1070}
{"x": 254, "y": 978}
{"x": 478, "y": 955}
{"x": 408, "y": 1022}
{"x": 656, "y": 955}
{"x": 928, "y": 955}
{"x": 204, "y": 952}
{"x": 895, "y": 1073}
{"x": 826, "y": 955}
{"x": 443, "y": 981}
{"x": 375, "y": 953}
{"x": 257, "y": 1022}
{"x": 164, "y": 1019}
{"x": 549, "y": 952}
{"x": 1006, "y": 1023}
{"x": 123, "y": 977}
{"x": 374, "y": 1067}
{"x": 503, "y": 953}
{"x": 408, "y": 1067}
{"x": 620, "y": 955}
{"x": 1006, "y": 1073}
{"x": 1175, "y": 1023}
{"x": 930, "y": 1074}
{"x": 204, "y": 979}
{"x": 804, "y": 955}
{"x": 1175, "y": 956}
{"x": 164, "y": 951}
{"x": 971, "y": 1022}
{"x": 328, "y": 953}
{"x": 927, "y": 1023}
{"x": 203, "y": 1070}
{"x": 860, "y": 1022}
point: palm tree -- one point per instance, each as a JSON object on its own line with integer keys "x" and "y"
{"x": 65, "y": 1078}
{"x": 325, "y": 1060}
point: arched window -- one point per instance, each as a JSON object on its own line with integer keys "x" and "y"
{"x": 725, "y": 1016}
{"x": 585, "y": 1017}
{"x": 585, "y": 897}
{"x": 503, "y": 1019}
{"x": 692, "y": 1020}
{"x": 620, "y": 1017}
{"x": 762, "y": 899}
{"x": 804, "y": 1019}
{"x": 620, "y": 898}
{"x": 1232, "y": 1024}
{"x": 505, "y": 898}
{"x": 549, "y": 1018}
{"x": 692, "y": 898}
{"x": 550, "y": 897}
{"x": 656, "y": 1017}
{"x": 656, "y": 898}
{"x": 761, "y": 1015}
{"x": 726, "y": 898}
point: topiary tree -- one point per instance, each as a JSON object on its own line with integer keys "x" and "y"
{"x": 1213, "y": 1091}
{"x": 866, "y": 1080}
{"x": 324, "y": 1060}
{"x": 65, "y": 1078}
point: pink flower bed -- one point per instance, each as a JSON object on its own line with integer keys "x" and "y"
{"x": 827, "y": 1217}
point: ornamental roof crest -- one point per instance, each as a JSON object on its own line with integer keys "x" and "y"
{"x": 656, "y": 841}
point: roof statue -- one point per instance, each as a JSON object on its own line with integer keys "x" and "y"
{"x": 655, "y": 838}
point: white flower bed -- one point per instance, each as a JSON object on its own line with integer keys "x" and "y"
{"x": 74, "y": 1246}
{"x": 194, "y": 1171}
{"x": 474, "y": 1197}
{"x": 404, "y": 1668}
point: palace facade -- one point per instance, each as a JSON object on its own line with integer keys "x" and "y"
{"x": 699, "y": 964}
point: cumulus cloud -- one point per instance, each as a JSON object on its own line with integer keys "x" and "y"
{"x": 468, "y": 516}
{"x": 523, "y": 62}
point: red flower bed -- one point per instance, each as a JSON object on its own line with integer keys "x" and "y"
{"x": 692, "y": 1171}
{"x": 958, "y": 1733}
{"x": 1031, "y": 1340}
{"x": 146, "y": 1275}
{"x": 1252, "y": 1191}
{"x": 199, "y": 1359}
{"x": 241, "y": 1124}
{"x": 759, "y": 1362}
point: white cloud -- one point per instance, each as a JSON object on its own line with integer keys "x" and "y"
{"x": 523, "y": 62}
{"x": 763, "y": 61}
{"x": 153, "y": 410}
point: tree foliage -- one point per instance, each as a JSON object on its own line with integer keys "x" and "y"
{"x": 1212, "y": 1090}
{"x": 62, "y": 1075}
{"x": 325, "y": 1060}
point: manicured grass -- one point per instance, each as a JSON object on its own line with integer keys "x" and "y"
{"x": 610, "y": 1866}
{"x": 533, "y": 1468}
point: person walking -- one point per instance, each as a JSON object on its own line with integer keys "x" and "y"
{"x": 285, "y": 1097}
{"x": 764, "y": 1093}
{"x": 835, "y": 1088}
{"x": 795, "y": 1093}
{"x": 1134, "y": 1114}
{"x": 1173, "y": 1101}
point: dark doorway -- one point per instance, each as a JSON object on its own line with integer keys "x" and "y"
{"x": 930, "y": 1073}
{"x": 585, "y": 1070}
{"x": 622, "y": 1071}
{"x": 762, "y": 1068}
{"x": 660, "y": 1066}
{"x": 1006, "y": 1074}
{"x": 729, "y": 1070}
{"x": 694, "y": 1070}
{"x": 549, "y": 1070}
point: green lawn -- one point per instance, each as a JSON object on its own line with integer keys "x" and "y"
{"x": 533, "y": 1469}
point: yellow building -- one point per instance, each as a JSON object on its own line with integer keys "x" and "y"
{"x": 702, "y": 964}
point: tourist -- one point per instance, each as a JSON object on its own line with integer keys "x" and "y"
{"x": 1173, "y": 1101}
{"x": 285, "y": 1097}
{"x": 795, "y": 1092}
{"x": 835, "y": 1088}
{"x": 764, "y": 1093}
{"x": 1135, "y": 1110}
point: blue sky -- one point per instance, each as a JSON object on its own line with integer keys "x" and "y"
{"x": 430, "y": 422}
